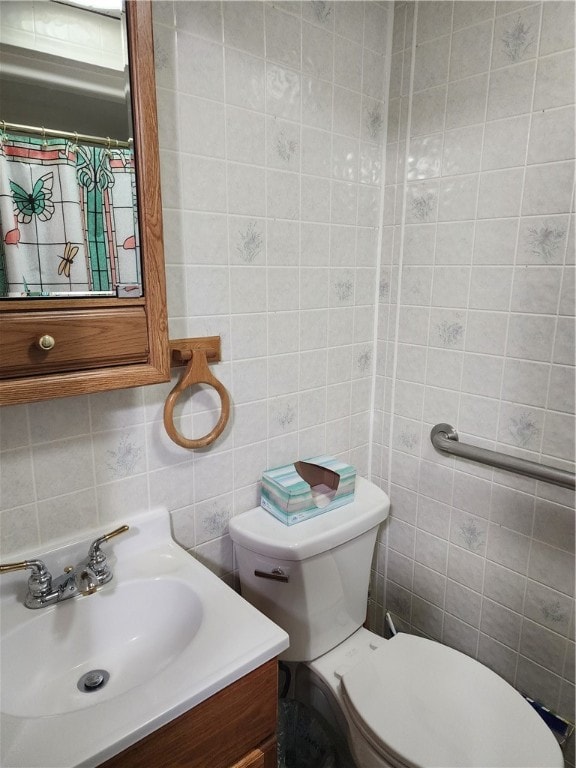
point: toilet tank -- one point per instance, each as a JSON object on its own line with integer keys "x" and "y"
{"x": 311, "y": 578}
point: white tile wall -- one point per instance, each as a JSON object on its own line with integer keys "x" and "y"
{"x": 279, "y": 145}
{"x": 271, "y": 133}
{"x": 479, "y": 243}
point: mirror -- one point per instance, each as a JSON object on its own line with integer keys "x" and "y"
{"x": 65, "y": 66}
{"x": 100, "y": 342}
{"x": 67, "y": 192}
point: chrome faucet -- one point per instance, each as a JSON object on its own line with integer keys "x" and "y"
{"x": 83, "y": 579}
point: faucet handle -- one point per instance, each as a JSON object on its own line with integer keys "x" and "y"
{"x": 40, "y": 581}
{"x": 97, "y": 558}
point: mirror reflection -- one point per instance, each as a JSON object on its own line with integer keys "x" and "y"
{"x": 68, "y": 212}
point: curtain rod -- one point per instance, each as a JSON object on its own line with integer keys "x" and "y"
{"x": 445, "y": 438}
{"x": 82, "y": 137}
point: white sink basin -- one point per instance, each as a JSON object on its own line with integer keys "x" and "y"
{"x": 122, "y": 631}
{"x": 166, "y": 630}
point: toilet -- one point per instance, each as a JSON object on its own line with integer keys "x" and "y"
{"x": 407, "y": 702}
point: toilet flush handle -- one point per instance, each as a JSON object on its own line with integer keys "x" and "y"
{"x": 276, "y": 574}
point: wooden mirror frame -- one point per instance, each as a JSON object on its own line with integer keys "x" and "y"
{"x": 156, "y": 367}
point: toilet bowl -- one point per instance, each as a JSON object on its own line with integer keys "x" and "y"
{"x": 408, "y": 702}
{"x": 412, "y": 702}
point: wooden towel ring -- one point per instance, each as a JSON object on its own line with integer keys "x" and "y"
{"x": 197, "y": 372}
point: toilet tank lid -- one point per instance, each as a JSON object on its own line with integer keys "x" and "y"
{"x": 260, "y": 532}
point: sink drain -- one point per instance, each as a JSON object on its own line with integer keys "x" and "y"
{"x": 93, "y": 680}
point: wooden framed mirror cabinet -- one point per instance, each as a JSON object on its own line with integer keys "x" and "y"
{"x": 57, "y": 347}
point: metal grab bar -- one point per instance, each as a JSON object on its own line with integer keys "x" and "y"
{"x": 445, "y": 438}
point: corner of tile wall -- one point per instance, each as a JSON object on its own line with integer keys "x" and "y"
{"x": 480, "y": 206}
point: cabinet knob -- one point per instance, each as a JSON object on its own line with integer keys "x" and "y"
{"x": 46, "y": 342}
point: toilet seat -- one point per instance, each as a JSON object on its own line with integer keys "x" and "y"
{"x": 419, "y": 703}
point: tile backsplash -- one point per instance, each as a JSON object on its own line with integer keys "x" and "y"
{"x": 373, "y": 206}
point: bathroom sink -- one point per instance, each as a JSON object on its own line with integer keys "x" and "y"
{"x": 162, "y": 636}
{"x": 121, "y": 631}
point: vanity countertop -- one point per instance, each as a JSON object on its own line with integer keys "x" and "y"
{"x": 170, "y": 633}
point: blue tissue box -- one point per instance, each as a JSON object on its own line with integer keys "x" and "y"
{"x": 302, "y": 490}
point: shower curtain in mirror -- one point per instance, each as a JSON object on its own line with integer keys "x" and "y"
{"x": 68, "y": 218}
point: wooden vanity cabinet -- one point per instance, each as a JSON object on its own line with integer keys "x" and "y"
{"x": 235, "y": 728}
